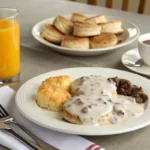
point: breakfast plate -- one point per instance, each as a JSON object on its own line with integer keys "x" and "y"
{"x": 133, "y": 56}
{"x": 130, "y": 34}
{"x": 53, "y": 120}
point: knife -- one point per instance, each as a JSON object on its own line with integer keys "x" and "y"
{"x": 41, "y": 143}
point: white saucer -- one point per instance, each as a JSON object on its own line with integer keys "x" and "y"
{"x": 133, "y": 56}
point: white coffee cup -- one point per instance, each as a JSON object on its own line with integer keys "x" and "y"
{"x": 144, "y": 49}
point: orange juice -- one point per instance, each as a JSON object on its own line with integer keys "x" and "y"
{"x": 9, "y": 48}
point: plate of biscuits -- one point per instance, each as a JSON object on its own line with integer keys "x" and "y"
{"x": 86, "y": 101}
{"x": 85, "y": 35}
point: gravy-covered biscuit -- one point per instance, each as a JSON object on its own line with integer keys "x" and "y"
{"x": 93, "y": 85}
{"x": 88, "y": 110}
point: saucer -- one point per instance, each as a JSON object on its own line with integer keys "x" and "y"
{"x": 133, "y": 56}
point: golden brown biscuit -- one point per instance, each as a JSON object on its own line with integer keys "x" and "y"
{"x": 86, "y": 29}
{"x": 52, "y": 97}
{"x": 63, "y": 81}
{"x": 96, "y": 19}
{"x": 103, "y": 40}
{"x": 75, "y": 42}
{"x": 112, "y": 26}
{"x": 76, "y": 17}
{"x": 51, "y": 34}
{"x": 64, "y": 25}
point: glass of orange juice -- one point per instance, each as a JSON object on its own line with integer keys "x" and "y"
{"x": 9, "y": 47}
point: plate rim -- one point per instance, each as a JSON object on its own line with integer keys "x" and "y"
{"x": 58, "y": 48}
{"x": 75, "y": 132}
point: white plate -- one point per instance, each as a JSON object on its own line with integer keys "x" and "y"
{"x": 133, "y": 56}
{"x": 130, "y": 34}
{"x": 52, "y": 120}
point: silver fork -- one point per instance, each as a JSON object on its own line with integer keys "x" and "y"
{"x": 6, "y": 118}
{"x": 28, "y": 143}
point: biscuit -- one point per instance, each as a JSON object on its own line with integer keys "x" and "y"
{"x": 75, "y": 42}
{"x": 93, "y": 84}
{"x": 52, "y": 97}
{"x": 103, "y": 40}
{"x": 86, "y": 29}
{"x": 64, "y": 25}
{"x": 88, "y": 109}
{"x": 63, "y": 81}
{"x": 112, "y": 26}
{"x": 104, "y": 120}
{"x": 76, "y": 17}
{"x": 51, "y": 34}
{"x": 96, "y": 19}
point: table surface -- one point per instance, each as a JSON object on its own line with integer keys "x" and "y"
{"x": 37, "y": 58}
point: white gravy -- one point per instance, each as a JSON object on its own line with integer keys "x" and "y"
{"x": 92, "y": 105}
{"x": 88, "y": 108}
{"x": 126, "y": 108}
{"x": 93, "y": 85}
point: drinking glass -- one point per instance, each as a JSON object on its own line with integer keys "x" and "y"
{"x": 9, "y": 47}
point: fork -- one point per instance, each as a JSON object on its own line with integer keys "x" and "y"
{"x": 28, "y": 143}
{"x": 6, "y": 118}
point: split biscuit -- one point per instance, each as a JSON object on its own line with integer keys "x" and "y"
{"x": 93, "y": 84}
{"x": 103, "y": 120}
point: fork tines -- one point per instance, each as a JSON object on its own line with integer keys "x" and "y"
{"x": 3, "y": 112}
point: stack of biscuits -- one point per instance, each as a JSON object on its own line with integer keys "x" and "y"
{"x": 82, "y": 32}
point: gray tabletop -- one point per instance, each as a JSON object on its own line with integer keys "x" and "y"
{"x": 37, "y": 58}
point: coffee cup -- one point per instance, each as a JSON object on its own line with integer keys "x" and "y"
{"x": 144, "y": 48}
